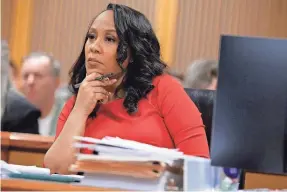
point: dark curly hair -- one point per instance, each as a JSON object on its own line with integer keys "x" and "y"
{"x": 136, "y": 35}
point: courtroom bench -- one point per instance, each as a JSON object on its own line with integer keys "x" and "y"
{"x": 24, "y": 149}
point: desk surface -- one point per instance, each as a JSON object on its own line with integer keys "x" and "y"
{"x": 256, "y": 181}
{"x": 5, "y": 138}
{"x": 23, "y": 140}
{"x": 30, "y": 185}
{"x": 24, "y": 149}
{"x": 28, "y": 149}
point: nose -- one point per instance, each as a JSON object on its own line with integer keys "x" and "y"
{"x": 96, "y": 47}
{"x": 31, "y": 79}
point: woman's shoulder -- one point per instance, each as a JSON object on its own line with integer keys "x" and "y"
{"x": 165, "y": 86}
{"x": 166, "y": 81}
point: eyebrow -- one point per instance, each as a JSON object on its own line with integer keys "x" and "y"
{"x": 107, "y": 30}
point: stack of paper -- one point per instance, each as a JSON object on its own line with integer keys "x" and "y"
{"x": 129, "y": 165}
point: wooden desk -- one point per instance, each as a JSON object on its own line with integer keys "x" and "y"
{"x": 24, "y": 149}
{"x": 30, "y": 185}
{"x": 256, "y": 180}
{"x": 29, "y": 149}
{"x": 5, "y": 142}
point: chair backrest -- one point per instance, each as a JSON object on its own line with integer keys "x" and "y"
{"x": 203, "y": 99}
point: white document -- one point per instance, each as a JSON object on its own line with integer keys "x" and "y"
{"x": 130, "y": 149}
{"x": 23, "y": 169}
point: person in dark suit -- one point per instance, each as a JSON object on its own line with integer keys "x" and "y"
{"x": 17, "y": 114}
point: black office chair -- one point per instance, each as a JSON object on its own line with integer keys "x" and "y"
{"x": 204, "y": 100}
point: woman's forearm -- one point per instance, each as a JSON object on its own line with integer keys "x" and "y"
{"x": 62, "y": 153}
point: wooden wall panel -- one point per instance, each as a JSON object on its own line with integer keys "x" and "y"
{"x": 200, "y": 23}
{"x": 198, "y": 30}
{"x": 59, "y": 27}
{"x": 147, "y": 7}
{"x": 6, "y": 13}
{"x": 266, "y": 18}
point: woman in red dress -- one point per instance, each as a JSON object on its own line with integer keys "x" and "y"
{"x": 141, "y": 103}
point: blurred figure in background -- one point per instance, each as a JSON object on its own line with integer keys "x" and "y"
{"x": 40, "y": 75}
{"x": 17, "y": 114}
{"x": 4, "y": 74}
{"x": 178, "y": 76}
{"x": 63, "y": 93}
{"x": 202, "y": 74}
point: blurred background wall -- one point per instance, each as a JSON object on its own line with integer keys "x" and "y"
{"x": 200, "y": 23}
{"x": 59, "y": 26}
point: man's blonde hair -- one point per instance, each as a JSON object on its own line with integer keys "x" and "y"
{"x": 200, "y": 73}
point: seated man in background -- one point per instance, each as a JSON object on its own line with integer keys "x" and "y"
{"x": 63, "y": 93}
{"x": 17, "y": 114}
{"x": 4, "y": 75}
{"x": 201, "y": 74}
{"x": 175, "y": 74}
{"x": 40, "y": 75}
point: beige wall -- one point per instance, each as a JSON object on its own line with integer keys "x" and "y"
{"x": 59, "y": 26}
{"x": 6, "y": 12}
{"x": 202, "y": 21}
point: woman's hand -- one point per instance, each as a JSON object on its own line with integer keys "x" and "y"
{"x": 90, "y": 92}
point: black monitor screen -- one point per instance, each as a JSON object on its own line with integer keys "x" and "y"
{"x": 250, "y": 114}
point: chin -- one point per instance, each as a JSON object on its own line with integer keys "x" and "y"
{"x": 95, "y": 71}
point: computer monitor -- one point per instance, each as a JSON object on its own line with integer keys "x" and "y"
{"x": 250, "y": 113}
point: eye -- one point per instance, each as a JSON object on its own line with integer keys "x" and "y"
{"x": 110, "y": 39}
{"x": 25, "y": 76}
{"x": 91, "y": 36}
{"x": 38, "y": 75}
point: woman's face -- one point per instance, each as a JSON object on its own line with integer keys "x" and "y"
{"x": 101, "y": 46}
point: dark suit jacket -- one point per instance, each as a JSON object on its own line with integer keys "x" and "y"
{"x": 19, "y": 115}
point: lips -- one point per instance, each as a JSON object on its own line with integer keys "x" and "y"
{"x": 94, "y": 60}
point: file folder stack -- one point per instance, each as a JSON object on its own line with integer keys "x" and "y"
{"x": 128, "y": 165}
